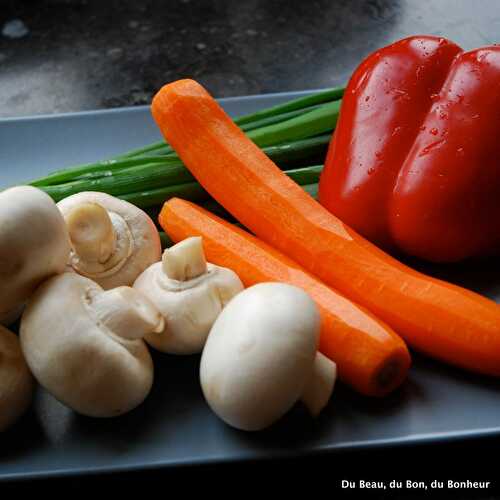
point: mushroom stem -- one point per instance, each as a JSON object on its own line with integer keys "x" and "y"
{"x": 91, "y": 232}
{"x": 127, "y": 313}
{"x": 320, "y": 385}
{"x": 185, "y": 260}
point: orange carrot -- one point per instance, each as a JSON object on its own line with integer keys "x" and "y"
{"x": 440, "y": 319}
{"x": 370, "y": 356}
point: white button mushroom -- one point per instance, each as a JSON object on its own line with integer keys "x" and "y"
{"x": 113, "y": 241}
{"x": 34, "y": 245}
{"x": 84, "y": 344}
{"x": 190, "y": 293}
{"x": 261, "y": 357}
{"x": 16, "y": 382}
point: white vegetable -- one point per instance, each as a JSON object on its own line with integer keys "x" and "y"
{"x": 261, "y": 357}
{"x": 84, "y": 344}
{"x": 189, "y": 293}
{"x": 113, "y": 241}
{"x": 16, "y": 382}
{"x": 34, "y": 245}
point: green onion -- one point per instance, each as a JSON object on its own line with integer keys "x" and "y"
{"x": 299, "y": 104}
{"x": 292, "y": 134}
{"x": 318, "y": 121}
{"x": 189, "y": 191}
{"x": 192, "y": 191}
{"x": 161, "y": 148}
{"x": 107, "y": 166}
{"x": 300, "y": 152}
{"x": 152, "y": 175}
{"x": 284, "y": 155}
{"x": 272, "y": 120}
{"x": 333, "y": 94}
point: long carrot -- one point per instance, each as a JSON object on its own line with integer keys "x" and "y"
{"x": 369, "y": 355}
{"x": 440, "y": 319}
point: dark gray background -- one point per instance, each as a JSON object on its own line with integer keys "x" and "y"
{"x": 88, "y": 54}
{"x": 80, "y": 55}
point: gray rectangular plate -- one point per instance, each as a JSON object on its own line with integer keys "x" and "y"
{"x": 174, "y": 426}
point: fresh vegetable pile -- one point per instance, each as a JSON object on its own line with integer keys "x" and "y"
{"x": 295, "y": 135}
{"x": 294, "y": 295}
{"x": 370, "y": 356}
{"x": 432, "y": 316}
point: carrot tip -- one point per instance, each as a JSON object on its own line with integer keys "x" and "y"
{"x": 392, "y": 373}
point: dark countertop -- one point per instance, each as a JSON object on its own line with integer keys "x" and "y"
{"x": 72, "y": 55}
{"x": 87, "y": 54}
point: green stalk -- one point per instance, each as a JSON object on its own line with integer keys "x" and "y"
{"x": 192, "y": 191}
{"x": 104, "y": 168}
{"x": 286, "y": 156}
{"x": 286, "y": 107}
{"x": 161, "y": 148}
{"x": 272, "y": 120}
{"x": 165, "y": 173}
{"x": 290, "y": 126}
{"x": 301, "y": 102}
{"x": 315, "y": 122}
{"x": 300, "y": 152}
{"x": 318, "y": 121}
{"x": 125, "y": 181}
{"x": 146, "y": 150}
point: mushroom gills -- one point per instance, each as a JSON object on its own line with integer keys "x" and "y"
{"x": 112, "y": 240}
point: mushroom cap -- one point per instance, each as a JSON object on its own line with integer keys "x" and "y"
{"x": 34, "y": 245}
{"x": 16, "y": 381}
{"x": 75, "y": 357}
{"x": 189, "y": 307}
{"x": 146, "y": 247}
{"x": 259, "y": 355}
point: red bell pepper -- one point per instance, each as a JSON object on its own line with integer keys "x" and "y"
{"x": 415, "y": 160}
